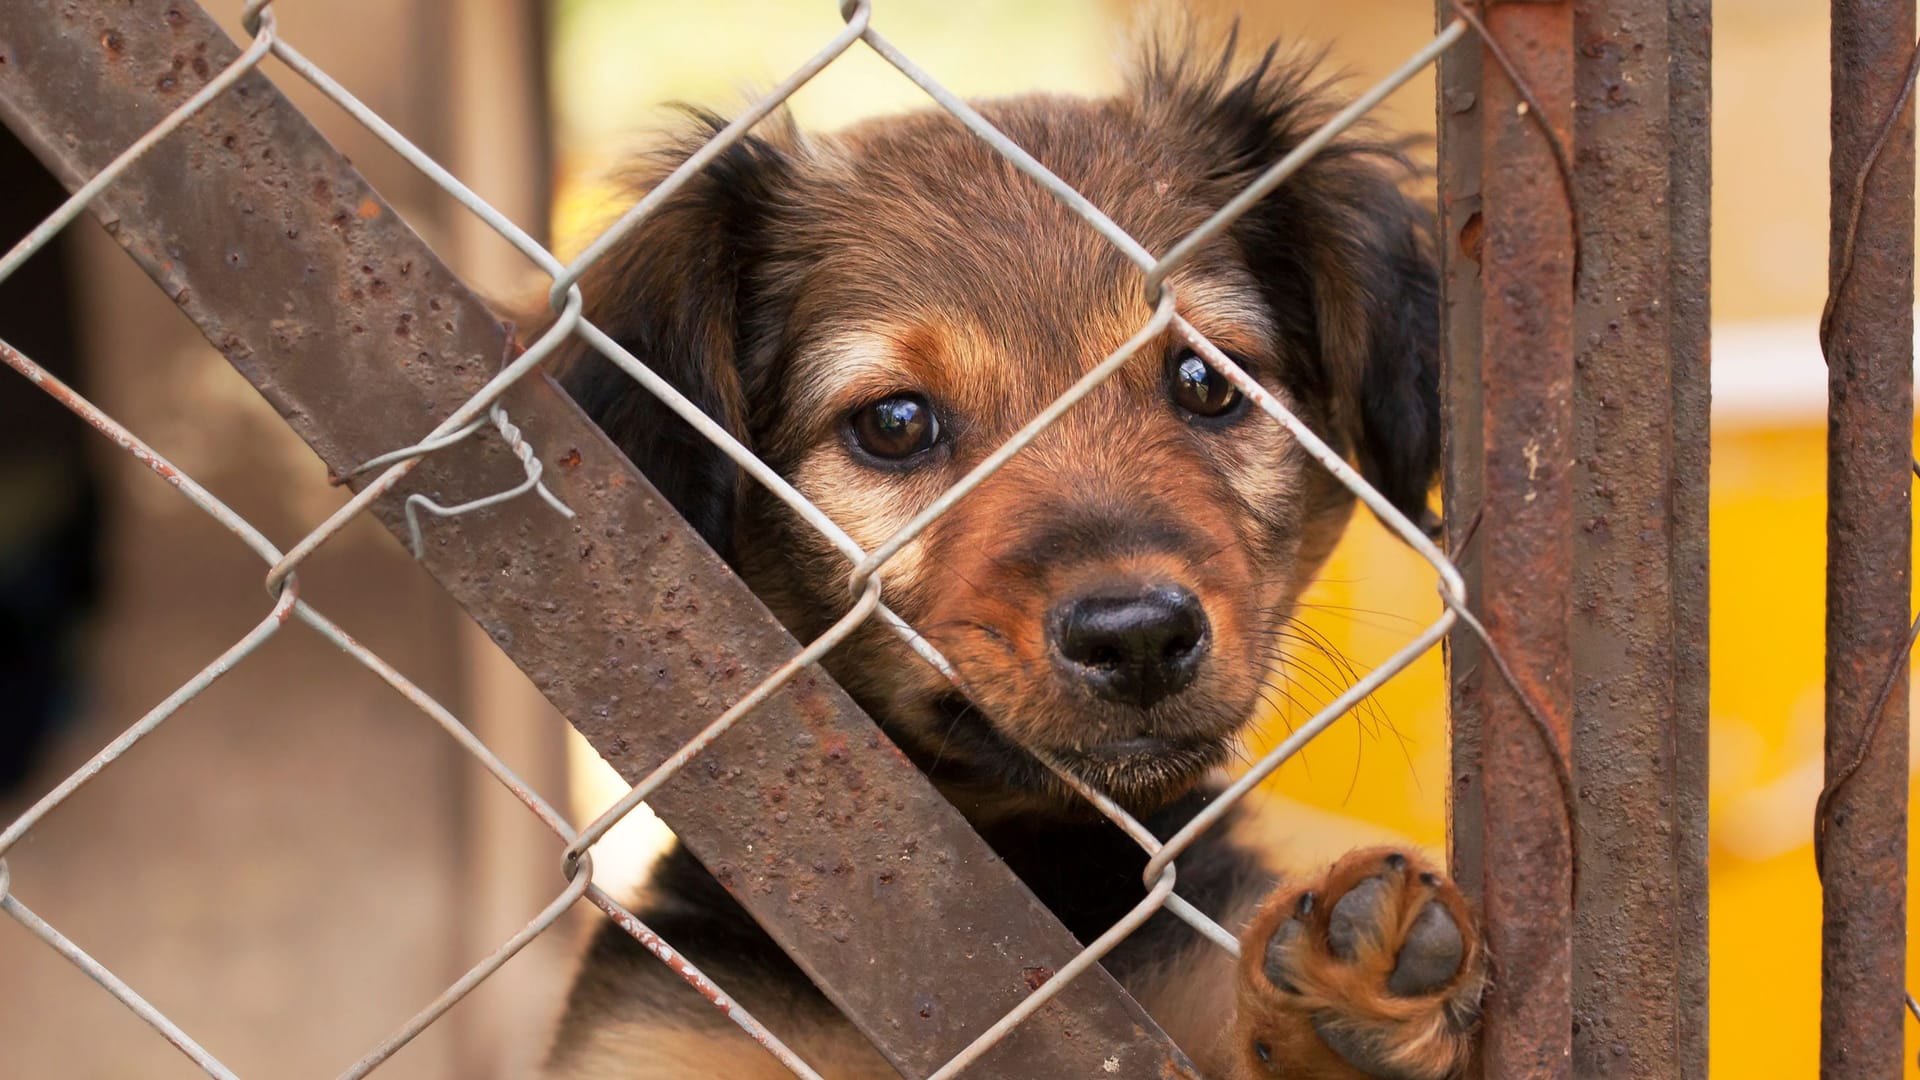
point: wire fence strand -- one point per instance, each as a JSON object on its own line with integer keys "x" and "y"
{"x": 865, "y": 567}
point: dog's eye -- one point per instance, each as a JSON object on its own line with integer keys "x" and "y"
{"x": 1201, "y": 390}
{"x": 1263, "y": 1052}
{"x": 896, "y": 427}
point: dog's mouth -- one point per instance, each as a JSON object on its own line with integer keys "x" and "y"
{"x": 1140, "y": 773}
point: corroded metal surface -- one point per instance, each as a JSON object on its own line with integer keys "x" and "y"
{"x": 1576, "y": 489}
{"x": 1868, "y": 339}
{"x": 341, "y": 316}
{"x": 1638, "y": 584}
{"x": 1520, "y": 242}
{"x": 1462, "y": 492}
{"x": 1689, "y": 131}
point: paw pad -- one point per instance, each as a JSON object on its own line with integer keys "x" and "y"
{"x": 1374, "y": 967}
{"x": 1285, "y": 942}
{"x": 1361, "y": 919}
{"x": 1431, "y": 954}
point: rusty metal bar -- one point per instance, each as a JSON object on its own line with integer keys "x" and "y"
{"x": 1522, "y": 549}
{"x": 1867, "y": 335}
{"x": 1689, "y": 196}
{"x": 1464, "y": 452}
{"x": 352, "y": 328}
{"x": 1639, "y": 931}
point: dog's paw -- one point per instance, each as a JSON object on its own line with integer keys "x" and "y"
{"x": 1375, "y": 971}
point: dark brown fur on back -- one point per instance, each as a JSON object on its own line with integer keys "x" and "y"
{"x": 800, "y": 281}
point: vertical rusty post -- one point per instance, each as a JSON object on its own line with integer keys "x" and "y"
{"x": 1523, "y": 548}
{"x": 1689, "y": 135}
{"x": 1868, "y": 339}
{"x": 1638, "y": 586}
{"x": 1462, "y": 491}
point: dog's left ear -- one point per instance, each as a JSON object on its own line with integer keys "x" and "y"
{"x": 1345, "y": 256}
{"x": 1376, "y": 299}
{"x": 682, "y": 293}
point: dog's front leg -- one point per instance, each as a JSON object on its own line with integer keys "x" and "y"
{"x": 1375, "y": 970}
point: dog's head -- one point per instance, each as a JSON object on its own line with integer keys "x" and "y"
{"x": 875, "y": 311}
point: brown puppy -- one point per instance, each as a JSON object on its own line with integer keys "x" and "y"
{"x": 875, "y": 311}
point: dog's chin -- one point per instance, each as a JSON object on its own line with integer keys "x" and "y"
{"x": 986, "y": 772}
{"x": 1146, "y": 773}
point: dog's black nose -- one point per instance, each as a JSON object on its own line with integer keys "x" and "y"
{"x": 1137, "y": 647}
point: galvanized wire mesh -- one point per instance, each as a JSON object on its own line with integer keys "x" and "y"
{"x": 483, "y": 411}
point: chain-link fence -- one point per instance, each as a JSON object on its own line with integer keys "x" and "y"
{"x": 515, "y": 453}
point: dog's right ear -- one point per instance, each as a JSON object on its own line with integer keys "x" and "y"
{"x": 678, "y": 292}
